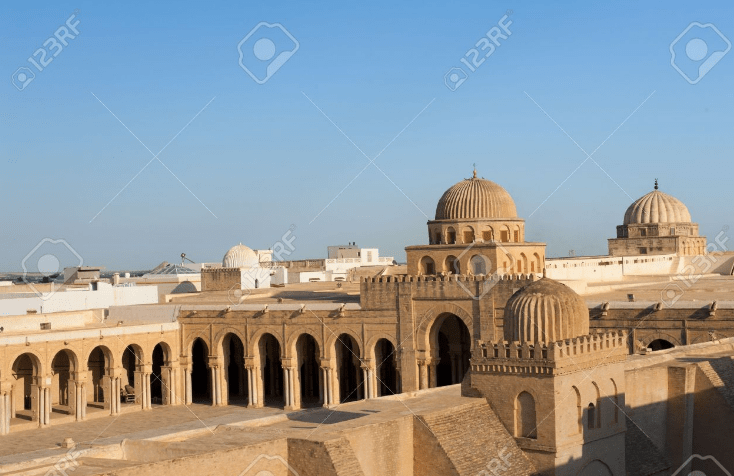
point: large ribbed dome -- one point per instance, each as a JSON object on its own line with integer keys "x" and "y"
{"x": 240, "y": 256}
{"x": 475, "y": 198}
{"x": 545, "y": 311}
{"x": 657, "y": 207}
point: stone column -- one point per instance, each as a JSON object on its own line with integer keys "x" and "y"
{"x": 215, "y": 385}
{"x": 368, "y": 375}
{"x": 328, "y": 391}
{"x": 4, "y": 413}
{"x": 77, "y": 400}
{"x": 114, "y": 397}
{"x": 84, "y": 400}
{"x": 189, "y": 390}
{"x": 432, "y": 374}
{"x": 148, "y": 403}
{"x": 423, "y": 373}
{"x": 289, "y": 388}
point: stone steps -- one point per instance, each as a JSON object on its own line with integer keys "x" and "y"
{"x": 475, "y": 440}
{"x": 720, "y": 372}
{"x": 343, "y": 458}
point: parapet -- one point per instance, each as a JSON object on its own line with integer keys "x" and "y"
{"x": 556, "y": 358}
{"x": 381, "y": 292}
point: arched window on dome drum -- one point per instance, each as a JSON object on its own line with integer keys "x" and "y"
{"x": 468, "y": 235}
{"x": 488, "y": 235}
{"x": 505, "y": 234}
{"x": 452, "y": 265}
{"x": 427, "y": 265}
{"x": 478, "y": 265}
{"x": 516, "y": 236}
{"x": 450, "y": 236}
{"x": 525, "y": 416}
{"x": 522, "y": 264}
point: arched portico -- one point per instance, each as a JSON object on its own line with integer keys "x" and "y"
{"x": 448, "y": 351}
{"x": 235, "y": 389}
{"x": 30, "y": 397}
{"x": 348, "y": 384}
{"x": 308, "y": 384}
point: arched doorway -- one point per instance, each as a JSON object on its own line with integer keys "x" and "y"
{"x": 157, "y": 384}
{"x": 200, "y": 381}
{"x": 97, "y": 364}
{"x": 348, "y": 369}
{"x": 26, "y": 370}
{"x": 132, "y": 363}
{"x": 234, "y": 364}
{"x": 272, "y": 370}
{"x": 451, "y": 347}
{"x": 309, "y": 375}
{"x": 62, "y": 397}
{"x": 387, "y": 383}
{"x": 660, "y": 344}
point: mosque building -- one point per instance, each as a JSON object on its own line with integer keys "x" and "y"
{"x": 560, "y": 384}
{"x": 657, "y": 223}
{"x": 477, "y": 232}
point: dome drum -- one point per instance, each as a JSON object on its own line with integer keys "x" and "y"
{"x": 447, "y": 232}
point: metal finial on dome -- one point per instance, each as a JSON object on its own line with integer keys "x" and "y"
{"x": 475, "y": 170}
{"x": 656, "y": 184}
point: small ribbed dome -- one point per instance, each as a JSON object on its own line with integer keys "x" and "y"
{"x": 240, "y": 256}
{"x": 545, "y": 311}
{"x": 475, "y": 198}
{"x": 657, "y": 207}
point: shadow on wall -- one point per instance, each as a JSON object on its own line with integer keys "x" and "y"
{"x": 675, "y": 433}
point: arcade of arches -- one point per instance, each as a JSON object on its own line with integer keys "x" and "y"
{"x": 75, "y": 381}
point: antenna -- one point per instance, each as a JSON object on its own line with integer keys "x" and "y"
{"x": 184, "y": 258}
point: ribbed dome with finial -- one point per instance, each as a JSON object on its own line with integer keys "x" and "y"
{"x": 545, "y": 311}
{"x": 240, "y": 256}
{"x": 657, "y": 207}
{"x": 475, "y": 198}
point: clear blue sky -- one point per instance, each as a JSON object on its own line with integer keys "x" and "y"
{"x": 263, "y": 157}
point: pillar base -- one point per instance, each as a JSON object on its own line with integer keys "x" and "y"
{"x": 291, "y": 408}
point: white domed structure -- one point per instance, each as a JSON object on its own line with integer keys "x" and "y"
{"x": 657, "y": 207}
{"x": 475, "y": 198}
{"x": 657, "y": 223}
{"x": 240, "y": 256}
{"x": 545, "y": 311}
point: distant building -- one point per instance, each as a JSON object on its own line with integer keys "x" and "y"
{"x": 657, "y": 223}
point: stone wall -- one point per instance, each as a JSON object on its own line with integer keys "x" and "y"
{"x": 221, "y": 279}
